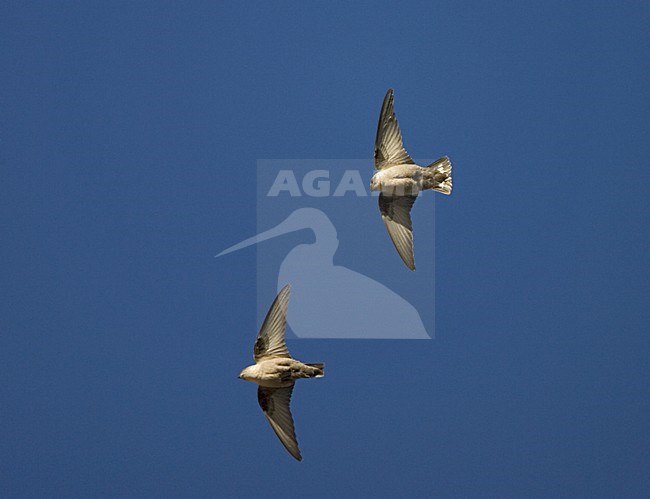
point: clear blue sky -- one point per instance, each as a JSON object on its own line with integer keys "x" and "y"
{"x": 129, "y": 134}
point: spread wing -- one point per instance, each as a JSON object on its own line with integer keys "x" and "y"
{"x": 275, "y": 404}
{"x": 389, "y": 150}
{"x": 270, "y": 340}
{"x": 396, "y": 214}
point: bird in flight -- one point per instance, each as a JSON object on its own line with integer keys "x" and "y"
{"x": 275, "y": 371}
{"x": 399, "y": 180}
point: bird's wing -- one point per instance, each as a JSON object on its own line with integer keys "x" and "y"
{"x": 396, "y": 214}
{"x": 275, "y": 404}
{"x": 270, "y": 340}
{"x": 389, "y": 150}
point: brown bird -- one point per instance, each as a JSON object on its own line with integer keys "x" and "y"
{"x": 275, "y": 371}
{"x": 400, "y": 180}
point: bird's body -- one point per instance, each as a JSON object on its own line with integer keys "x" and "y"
{"x": 278, "y": 373}
{"x": 399, "y": 180}
{"x": 409, "y": 180}
{"x": 275, "y": 373}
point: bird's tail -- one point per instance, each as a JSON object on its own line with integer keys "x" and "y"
{"x": 439, "y": 175}
{"x": 319, "y": 370}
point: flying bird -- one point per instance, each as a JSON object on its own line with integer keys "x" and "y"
{"x": 275, "y": 371}
{"x": 399, "y": 180}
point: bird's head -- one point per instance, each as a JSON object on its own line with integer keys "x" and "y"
{"x": 247, "y": 373}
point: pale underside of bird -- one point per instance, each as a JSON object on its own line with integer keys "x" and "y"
{"x": 275, "y": 372}
{"x": 400, "y": 180}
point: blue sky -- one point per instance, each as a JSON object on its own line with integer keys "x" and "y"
{"x": 129, "y": 137}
